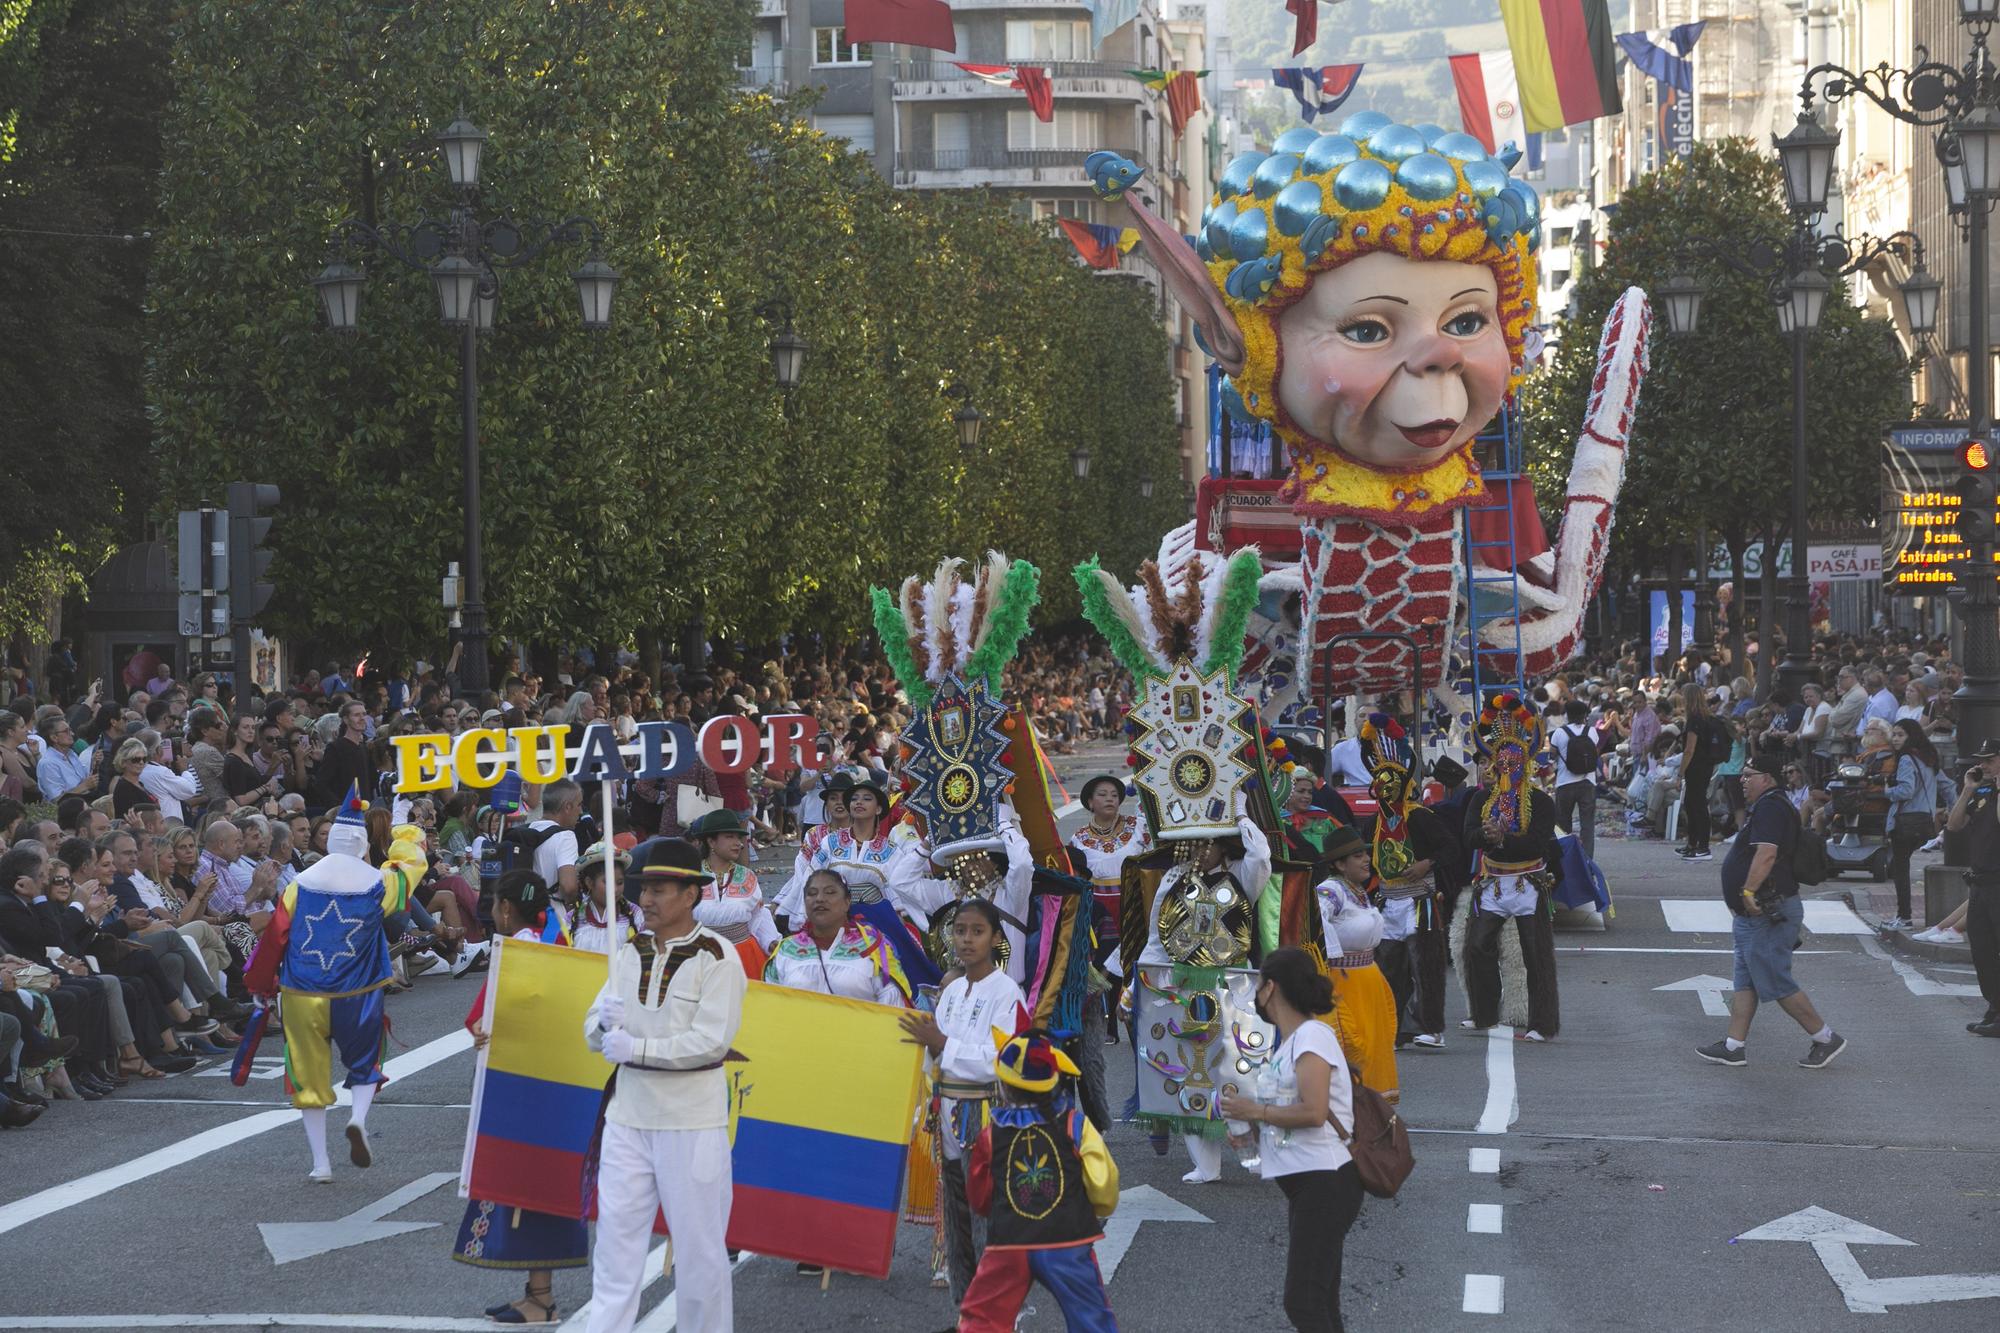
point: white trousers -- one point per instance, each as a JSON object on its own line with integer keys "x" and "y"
{"x": 683, "y": 1173}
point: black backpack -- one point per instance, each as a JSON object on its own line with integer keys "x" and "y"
{"x": 1579, "y": 754}
{"x": 519, "y": 845}
{"x": 1716, "y": 742}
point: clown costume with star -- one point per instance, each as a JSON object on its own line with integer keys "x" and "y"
{"x": 325, "y": 959}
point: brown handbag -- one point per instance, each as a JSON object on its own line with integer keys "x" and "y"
{"x": 1379, "y": 1145}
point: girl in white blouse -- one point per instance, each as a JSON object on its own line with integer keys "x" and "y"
{"x": 978, "y": 1001}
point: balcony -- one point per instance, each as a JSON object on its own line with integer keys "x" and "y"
{"x": 941, "y": 80}
{"x": 771, "y": 9}
{"x": 997, "y": 168}
{"x": 767, "y": 78}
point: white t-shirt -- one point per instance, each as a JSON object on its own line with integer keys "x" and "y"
{"x": 1813, "y": 726}
{"x": 557, "y": 850}
{"x": 1286, "y": 1151}
{"x": 1560, "y": 744}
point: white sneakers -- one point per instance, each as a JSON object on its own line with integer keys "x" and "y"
{"x": 1428, "y": 1041}
{"x": 357, "y": 1146}
{"x": 320, "y": 1175}
{"x": 1940, "y": 935}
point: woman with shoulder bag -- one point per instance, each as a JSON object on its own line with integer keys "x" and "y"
{"x": 1305, "y": 1082}
{"x": 1913, "y": 808}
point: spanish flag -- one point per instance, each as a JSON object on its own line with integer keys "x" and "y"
{"x": 1565, "y": 60}
{"x": 822, "y": 1107}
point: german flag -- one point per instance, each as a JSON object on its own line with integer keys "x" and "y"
{"x": 1565, "y": 60}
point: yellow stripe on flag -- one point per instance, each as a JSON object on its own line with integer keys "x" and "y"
{"x": 787, "y": 1035}
{"x": 1534, "y": 65}
{"x": 544, "y": 991}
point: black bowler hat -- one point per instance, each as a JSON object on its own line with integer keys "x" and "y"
{"x": 676, "y": 859}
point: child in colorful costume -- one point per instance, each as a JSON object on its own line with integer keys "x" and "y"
{"x": 1045, "y": 1182}
{"x": 323, "y": 955}
{"x": 1371, "y": 294}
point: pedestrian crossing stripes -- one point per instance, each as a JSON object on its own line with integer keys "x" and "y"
{"x": 1710, "y": 916}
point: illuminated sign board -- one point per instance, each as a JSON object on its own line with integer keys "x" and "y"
{"x": 1921, "y": 545}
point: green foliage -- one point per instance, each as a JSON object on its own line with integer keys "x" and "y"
{"x": 634, "y": 478}
{"x": 83, "y": 83}
{"x": 1711, "y": 442}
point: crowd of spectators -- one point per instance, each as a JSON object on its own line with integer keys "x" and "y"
{"x": 144, "y": 838}
{"x": 1674, "y": 743}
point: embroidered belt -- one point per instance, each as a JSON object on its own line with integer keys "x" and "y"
{"x": 1107, "y": 883}
{"x": 1358, "y": 958}
{"x": 964, "y": 1092}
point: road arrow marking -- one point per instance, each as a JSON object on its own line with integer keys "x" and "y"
{"x": 1709, "y": 990}
{"x": 1137, "y": 1206}
{"x": 1830, "y": 1234}
{"x": 289, "y": 1241}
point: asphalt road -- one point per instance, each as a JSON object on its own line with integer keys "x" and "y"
{"x": 1607, "y": 1180}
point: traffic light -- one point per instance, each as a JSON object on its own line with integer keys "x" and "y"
{"x": 248, "y": 557}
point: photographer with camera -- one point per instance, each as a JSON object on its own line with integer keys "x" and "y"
{"x": 1757, "y": 884}
{"x": 1976, "y": 813}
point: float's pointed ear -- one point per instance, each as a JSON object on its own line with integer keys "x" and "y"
{"x": 1188, "y": 279}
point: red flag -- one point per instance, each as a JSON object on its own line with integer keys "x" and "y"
{"x": 1034, "y": 81}
{"x": 1306, "y": 30}
{"x": 911, "y": 22}
{"x": 1183, "y": 98}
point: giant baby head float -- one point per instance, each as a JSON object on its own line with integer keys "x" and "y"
{"x": 1370, "y": 293}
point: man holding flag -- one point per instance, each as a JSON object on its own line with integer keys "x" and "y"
{"x": 666, "y": 1021}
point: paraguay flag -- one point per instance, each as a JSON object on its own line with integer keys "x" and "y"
{"x": 1320, "y": 91}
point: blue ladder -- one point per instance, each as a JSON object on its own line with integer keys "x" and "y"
{"x": 1490, "y": 588}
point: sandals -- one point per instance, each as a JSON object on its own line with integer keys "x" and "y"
{"x": 511, "y": 1313}
{"x": 138, "y": 1068}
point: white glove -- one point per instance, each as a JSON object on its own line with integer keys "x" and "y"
{"x": 619, "y": 1046}
{"x": 611, "y": 1014}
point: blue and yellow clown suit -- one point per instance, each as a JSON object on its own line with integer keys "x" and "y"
{"x": 326, "y": 952}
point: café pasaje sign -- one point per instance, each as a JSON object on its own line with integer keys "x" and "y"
{"x": 481, "y": 757}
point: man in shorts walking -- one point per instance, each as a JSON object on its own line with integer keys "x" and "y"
{"x": 1757, "y": 885}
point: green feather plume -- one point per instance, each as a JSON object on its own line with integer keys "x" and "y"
{"x": 1232, "y": 619}
{"x": 1006, "y": 622}
{"x": 1098, "y": 611}
{"x": 895, "y": 637}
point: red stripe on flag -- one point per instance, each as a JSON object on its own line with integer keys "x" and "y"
{"x": 522, "y": 1175}
{"x": 1570, "y": 58}
{"x": 1094, "y": 254}
{"x": 840, "y": 1235}
{"x": 1469, "y": 77}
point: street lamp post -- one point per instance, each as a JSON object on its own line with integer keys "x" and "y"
{"x": 465, "y": 256}
{"x": 1963, "y": 104}
{"x": 1798, "y": 277}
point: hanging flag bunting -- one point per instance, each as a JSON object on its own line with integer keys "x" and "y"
{"x": 1183, "y": 90}
{"x": 1672, "y": 73}
{"x": 1489, "y": 102}
{"x": 911, "y": 22}
{"x": 1100, "y": 246}
{"x": 1030, "y": 79}
{"x": 1107, "y": 16}
{"x": 1305, "y": 25}
{"x": 1320, "y": 91}
{"x": 1565, "y": 62}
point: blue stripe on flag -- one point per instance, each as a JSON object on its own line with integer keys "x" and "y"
{"x": 792, "y": 1159}
{"x": 538, "y": 1111}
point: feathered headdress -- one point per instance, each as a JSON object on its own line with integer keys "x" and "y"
{"x": 1385, "y": 749}
{"x": 1508, "y": 738}
{"x": 950, "y": 627}
{"x": 1188, "y": 604}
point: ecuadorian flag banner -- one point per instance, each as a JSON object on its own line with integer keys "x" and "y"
{"x": 822, "y": 1109}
